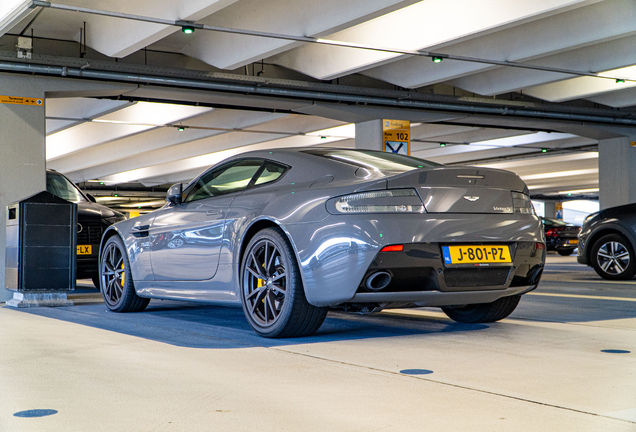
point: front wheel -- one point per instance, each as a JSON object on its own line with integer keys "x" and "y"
{"x": 115, "y": 279}
{"x": 484, "y": 312}
{"x": 272, "y": 292}
{"x": 613, "y": 257}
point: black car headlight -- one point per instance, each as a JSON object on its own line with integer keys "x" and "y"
{"x": 385, "y": 201}
{"x": 521, "y": 203}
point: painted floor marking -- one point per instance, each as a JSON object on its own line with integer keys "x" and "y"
{"x": 585, "y": 297}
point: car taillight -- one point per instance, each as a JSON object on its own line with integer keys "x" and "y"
{"x": 553, "y": 232}
{"x": 540, "y": 246}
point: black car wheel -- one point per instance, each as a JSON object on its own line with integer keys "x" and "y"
{"x": 484, "y": 312}
{"x": 272, "y": 293}
{"x": 613, "y": 257}
{"x": 116, "y": 282}
{"x": 565, "y": 252}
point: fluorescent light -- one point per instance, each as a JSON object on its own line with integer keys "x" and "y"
{"x": 347, "y": 131}
{"x": 144, "y": 204}
{"x": 560, "y": 174}
{"x": 524, "y": 139}
{"x": 579, "y": 191}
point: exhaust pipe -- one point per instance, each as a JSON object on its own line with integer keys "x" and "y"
{"x": 378, "y": 281}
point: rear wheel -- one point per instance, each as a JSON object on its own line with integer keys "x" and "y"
{"x": 272, "y": 293}
{"x": 613, "y": 257}
{"x": 484, "y": 312}
{"x": 565, "y": 252}
{"x": 115, "y": 279}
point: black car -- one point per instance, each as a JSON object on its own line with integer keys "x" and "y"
{"x": 607, "y": 242}
{"x": 92, "y": 220}
{"x": 560, "y": 236}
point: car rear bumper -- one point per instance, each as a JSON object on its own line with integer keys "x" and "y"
{"x": 336, "y": 255}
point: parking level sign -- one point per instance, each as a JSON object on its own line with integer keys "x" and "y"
{"x": 396, "y": 136}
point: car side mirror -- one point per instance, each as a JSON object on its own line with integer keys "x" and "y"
{"x": 91, "y": 198}
{"x": 173, "y": 195}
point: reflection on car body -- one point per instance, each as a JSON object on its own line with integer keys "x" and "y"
{"x": 288, "y": 233}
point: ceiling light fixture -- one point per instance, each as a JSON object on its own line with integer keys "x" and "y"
{"x": 187, "y": 29}
{"x": 437, "y": 59}
{"x": 620, "y": 81}
{"x": 181, "y": 128}
{"x": 544, "y": 150}
{"x": 442, "y": 144}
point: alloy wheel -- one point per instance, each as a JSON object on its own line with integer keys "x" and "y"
{"x": 112, "y": 274}
{"x": 613, "y": 258}
{"x": 264, "y": 283}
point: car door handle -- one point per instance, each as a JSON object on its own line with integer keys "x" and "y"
{"x": 213, "y": 212}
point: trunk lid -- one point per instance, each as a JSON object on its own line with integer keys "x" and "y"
{"x": 462, "y": 189}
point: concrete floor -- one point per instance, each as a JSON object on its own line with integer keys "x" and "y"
{"x": 184, "y": 367}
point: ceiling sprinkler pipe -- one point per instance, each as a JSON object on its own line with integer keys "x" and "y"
{"x": 310, "y": 95}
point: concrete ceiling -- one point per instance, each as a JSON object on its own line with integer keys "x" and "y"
{"x": 126, "y": 139}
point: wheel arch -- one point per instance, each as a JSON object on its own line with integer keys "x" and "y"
{"x": 250, "y": 232}
{"x": 111, "y": 231}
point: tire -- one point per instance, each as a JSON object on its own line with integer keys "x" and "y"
{"x": 565, "y": 252}
{"x": 484, "y": 312}
{"x": 272, "y": 292}
{"x": 114, "y": 268}
{"x": 612, "y": 257}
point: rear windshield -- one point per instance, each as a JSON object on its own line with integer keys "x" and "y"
{"x": 375, "y": 160}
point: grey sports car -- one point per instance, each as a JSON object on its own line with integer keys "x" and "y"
{"x": 289, "y": 233}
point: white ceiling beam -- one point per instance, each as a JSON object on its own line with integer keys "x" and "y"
{"x": 283, "y": 124}
{"x": 12, "y": 12}
{"x": 468, "y": 153}
{"x": 122, "y": 151}
{"x": 133, "y": 119}
{"x": 161, "y": 173}
{"x": 62, "y": 113}
{"x": 121, "y": 37}
{"x": 424, "y": 26}
{"x": 530, "y": 42}
{"x": 297, "y": 18}
{"x": 604, "y": 56}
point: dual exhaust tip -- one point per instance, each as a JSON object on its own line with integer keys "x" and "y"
{"x": 378, "y": 281}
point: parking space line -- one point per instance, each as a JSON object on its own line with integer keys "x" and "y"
{"x": 584, "y": 296}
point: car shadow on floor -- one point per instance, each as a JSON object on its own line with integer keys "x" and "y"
{"x": 216, "y": 327}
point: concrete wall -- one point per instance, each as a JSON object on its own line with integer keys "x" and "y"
{"x": 22, "y": 153}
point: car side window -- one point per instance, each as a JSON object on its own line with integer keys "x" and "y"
{"x": 271, "y": 172}
{"x": 225, "y": 180}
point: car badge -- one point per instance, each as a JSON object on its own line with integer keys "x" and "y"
{"x": 471, "y": 198}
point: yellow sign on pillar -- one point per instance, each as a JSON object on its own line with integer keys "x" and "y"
{"x": 396, "y": 135}
{"x": 559, "y": 210}
{"x": 19, "y": 100}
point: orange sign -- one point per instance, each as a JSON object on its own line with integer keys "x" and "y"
{"x": 19, "y": 100}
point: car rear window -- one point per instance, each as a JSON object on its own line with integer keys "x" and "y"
{"x": 375, "y": 160}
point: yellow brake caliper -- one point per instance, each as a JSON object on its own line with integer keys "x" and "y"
{"x": 123, "y": 274}
{"x": 260, "y": 283}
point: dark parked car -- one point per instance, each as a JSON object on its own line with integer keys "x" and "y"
{"x": 561, "y": 236}
{"x": 288, "y": 233}
{"x": 92, "y": 221}
{"x": 607, "y": 242}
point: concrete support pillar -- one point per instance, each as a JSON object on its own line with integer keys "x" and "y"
{"x": 369, "y": 135}
{"x": 616, "y": 172}
{"x": 549, "y": 209}
{"x": 22, "y": 153}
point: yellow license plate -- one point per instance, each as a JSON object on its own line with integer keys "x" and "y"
{"x": 84, "y": 249}
{"x": 476, "y": 254}
{"x": 573, "y": 241}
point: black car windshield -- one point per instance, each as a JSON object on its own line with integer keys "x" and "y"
{"x": 555, "y": 222}
{"x": 59, "y": 186}
{"x": 375, "y": 160}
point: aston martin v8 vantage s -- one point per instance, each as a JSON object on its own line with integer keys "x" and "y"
{"x": 288, "y": 233}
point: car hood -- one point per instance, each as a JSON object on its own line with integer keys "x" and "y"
{"x": 91, "y": 209}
